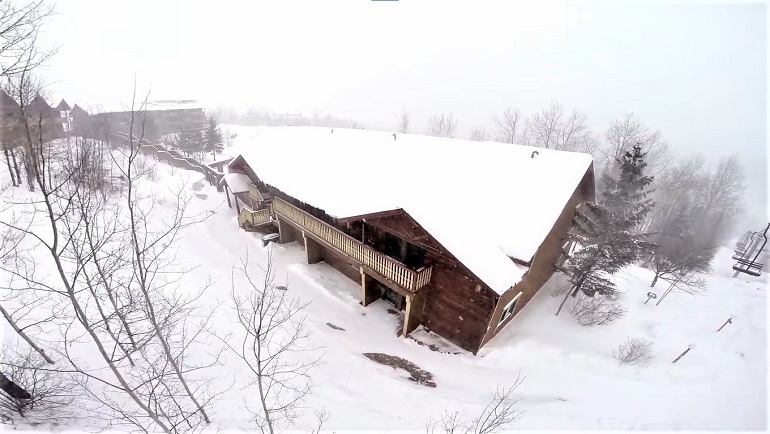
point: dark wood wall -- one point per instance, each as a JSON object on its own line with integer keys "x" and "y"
{"x": 542, "y": 265}
{"x": 457, "y": 305}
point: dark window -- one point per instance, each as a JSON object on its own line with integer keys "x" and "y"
{"x": 509, "y": 309}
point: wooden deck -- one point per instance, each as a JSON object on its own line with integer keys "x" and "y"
{"x": 380, "y": 263}
{"x": 249, "y": 219}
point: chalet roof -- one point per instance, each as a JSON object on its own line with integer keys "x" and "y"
{"x": 63, "y": 106}
{"x": 8, "y": 105}
{"x": 77, "y": 111}
{"x": 39, "y": 105}
{"x": 485, "y": 202}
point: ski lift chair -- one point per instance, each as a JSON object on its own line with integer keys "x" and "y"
{"x": 746, "y": 244}
{"x": 746, "y": 263}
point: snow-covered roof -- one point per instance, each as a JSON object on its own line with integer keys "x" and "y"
{"x": 238, "y": 182}
{"x": 485, "y": 202}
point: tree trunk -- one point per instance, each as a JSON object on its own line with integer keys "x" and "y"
{"x": 566, "y": 296}
{"x": 654, "y": 280}
{"x": 16, "y": 166}
{"x": 10, "y": 170}
{"x": 24, "y": 336}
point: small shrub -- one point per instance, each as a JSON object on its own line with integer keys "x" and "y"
{"x": 597, "y": 310}
{"x": 560, "y": 289}
{"x": 637, "y": 352}
{"x": 151, "y": 173}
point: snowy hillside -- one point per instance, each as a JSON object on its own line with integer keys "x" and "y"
{"x": 571, "y": 380}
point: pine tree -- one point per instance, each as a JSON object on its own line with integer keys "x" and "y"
{"x": 196, "y": 142}
{"x": 213, "y": 137}
{"x": 626, "y": 196}
{"x": 604, "y": 232}
{"x": 183, "y": 142}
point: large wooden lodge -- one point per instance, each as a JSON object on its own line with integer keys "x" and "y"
{"x": 458, "y": 235}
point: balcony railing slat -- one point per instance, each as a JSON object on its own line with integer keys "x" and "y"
{"x": 379, "y": 262}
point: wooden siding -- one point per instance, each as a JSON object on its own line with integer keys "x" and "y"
{"x": 542, "y": 265}
{"x": 457, "y": 305}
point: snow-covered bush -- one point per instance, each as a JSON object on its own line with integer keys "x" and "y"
{"x": 597, "y": 310}
{"x": 633, "y": 351}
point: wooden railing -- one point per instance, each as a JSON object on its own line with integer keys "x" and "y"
{"x": 380, "y": 263}
{"x": 255, "y": 218}
{"x": 254, "y": 199}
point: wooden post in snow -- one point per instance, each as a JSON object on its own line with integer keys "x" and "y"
{"x": 689, "y": 347}
{"x": 729, "y": 321}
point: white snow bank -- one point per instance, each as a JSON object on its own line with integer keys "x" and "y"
{"x": 510, "y": 199}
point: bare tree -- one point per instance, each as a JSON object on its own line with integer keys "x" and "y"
{"x": 552, "y": 128}
{"x": 696, "y": 207}
{"x": 274, "y": 346}
{"x": 479, "y": 135}
{"x": 442, "y": 125}
{"x": 111, "y": 267}
{"x": 20, "y": 25}
{"x": 322, "y": 416}
{"x": 637, "y": 352}
{"x": 627, "y": 132}
{"x": 685, "y": 284}
{"x": 49, "y": 395}
{"x": 596, "y": 310}
{"x": 498, "y": 415}
{"x": 404, "y": 119}
{"x": 508, "y": 128}
{"x": 9, "y": 246}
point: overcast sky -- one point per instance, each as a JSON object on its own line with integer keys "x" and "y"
{"x": 697, "y": 72}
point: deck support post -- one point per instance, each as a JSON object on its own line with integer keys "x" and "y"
{"x": 368, "y": 293}
{"x": 286, "y": 233}
{"x": 314, "y": 251}
{"x": 227, "y": 194}
{"x": 413, "y": 312}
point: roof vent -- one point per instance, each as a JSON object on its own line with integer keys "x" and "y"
{"x": 394, "y": 136}
{"x": 533, "y": 154}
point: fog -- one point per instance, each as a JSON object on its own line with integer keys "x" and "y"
{"x": 696, "y": 72}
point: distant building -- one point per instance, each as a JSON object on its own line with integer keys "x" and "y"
{"x": 157, "y": 119}
{"x": 64, "y": 110}
{"x": 45, "y": 122}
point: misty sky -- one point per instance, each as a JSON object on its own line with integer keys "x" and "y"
{"x": 697, "y": 72}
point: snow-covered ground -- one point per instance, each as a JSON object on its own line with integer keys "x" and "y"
{"x": 572, "y": 381}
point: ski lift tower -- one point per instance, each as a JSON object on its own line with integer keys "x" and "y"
{"x": 747, "y": 251}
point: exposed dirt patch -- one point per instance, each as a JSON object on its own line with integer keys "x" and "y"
{"x": 393, "y": 311}
{"x": 334, "y": 326}
{"x": 417, "y": 374}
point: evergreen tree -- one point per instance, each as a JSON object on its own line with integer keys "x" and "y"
{"x": 183, "y": 142}
{"x": 213, "y": 137}
{"x": 604, "y": 232}
{"x": 196, "y": 142}
{"x": 626, "y": 194}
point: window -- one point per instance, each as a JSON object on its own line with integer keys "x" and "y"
{"x": 509, "y": 308}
